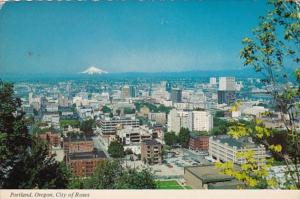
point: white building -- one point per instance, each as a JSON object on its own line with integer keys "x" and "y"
{"x": 225, "y": 148}
{"x": 227, "y": 84}
{"x": 212, "y": 81}
{"x": 51, "y": 118}
{"x": 178, "y": 119}
{"x": 201, "y": 121}
{"x": 160, "y": 118}
{"x": 254, "y": 110}
{"x": 133, "y": 135}
{"x": 193, "y": 120}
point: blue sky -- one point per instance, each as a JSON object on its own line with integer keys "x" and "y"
{"x": 67, "y": 37}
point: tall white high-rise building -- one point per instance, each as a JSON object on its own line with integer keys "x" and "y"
{"x": 201, "y": 121}
{"x": 30, "y": 98}
{"x": 212, "y": 81}
{"x": 178, "y": 119}
{"x": 193, "y": 120}
{"x": 227, "y": 84}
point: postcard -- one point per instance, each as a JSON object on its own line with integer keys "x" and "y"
{"x": 140, "y": 98}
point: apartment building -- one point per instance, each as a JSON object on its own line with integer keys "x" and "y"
{"x": 77, "y": 143}
{"x": 178, "y": 119}
{"x": 225, "y": 148}
{"x": 83, "y": 164}
{"x": 151, "y": 152}
{"x": 51, "y": 137}
{"x": 193, "y": 120}
{"x": 201, "y": 121}
{"x": 198, "y": 142}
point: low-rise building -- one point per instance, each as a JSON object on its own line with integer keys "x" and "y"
{"x": 84, "y": 163}
{"x": 209, "y": 177}
{"x": 52, "y": 138}
{"x": 108, "y": 126}
{"x": 133, "y": 135}
{"x": 198, "y": 142}
{"x": 151, "y": 152}
{"x": 160, "y": 118}
{"x": 225, "y": 148}
{"x": 51, "y": 118}
{"x": 76, "y": 143}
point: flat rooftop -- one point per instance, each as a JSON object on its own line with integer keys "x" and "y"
{"x": 151, "y": 142}
{"x": 77, "y": 138}
{"x": 208, "y": 174}
{"x": 87, "y": 155}
{"x": 239, "y": 143}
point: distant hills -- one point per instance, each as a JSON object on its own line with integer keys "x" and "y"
{"x": 94, "y": 73}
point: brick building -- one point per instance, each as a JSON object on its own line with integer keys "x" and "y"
{"x": 52, "y": 138}
{"x": 151, "y": 152}
{"x": 84, "y": 163}
{"x": 78, "y": 143}
{"x": 200, "y": 143}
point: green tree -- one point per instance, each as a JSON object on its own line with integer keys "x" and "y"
{"x": 87, "y": 127}
{"x": 69, "y": 122}
{"x": 272, "y": 51}
{"x": 170, "y": 138}
{"x": 164, "y": 109}
{"x": 220, "y": 114}
{"x": 134, "y": 179}
{"x": 116, "y": 150}
{"x": 106, "y": 175}
{"x": 220, "y": 126}
{"x": 110, "y": 174}
{"x": 106, "y": 109}
{"x": 129, "y": 110}
{"x": 184, "y": 137}
{"x": 24, "y": 160}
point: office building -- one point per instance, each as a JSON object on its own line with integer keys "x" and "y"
{"x": 226, "y": 97}
{"x": 168, "y": 87}
{"x": 212, "y": 81}
{"x": 132, "y": 91}
{"x": 176, "y": 95}
{"x": 160, "y": 118}
{"x": 133, "y": 135}
{"x": 227, "y": 84}
{"x": 227, "y": 90}
{"x": 225, "y": 148}
{"x": 125, "y": 91}
{"x": 108, "y": 126}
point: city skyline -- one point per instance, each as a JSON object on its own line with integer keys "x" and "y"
{"x": 67, "y": 38}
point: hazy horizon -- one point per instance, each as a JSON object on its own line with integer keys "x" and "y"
{"x": 118, "y": 37}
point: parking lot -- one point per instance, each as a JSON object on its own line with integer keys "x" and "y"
{"x": 173, "y": 167}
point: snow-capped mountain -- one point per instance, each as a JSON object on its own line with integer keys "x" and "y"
{"x": 94, "y": 71}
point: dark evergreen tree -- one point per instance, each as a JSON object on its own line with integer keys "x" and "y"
{"x": 116, "y": 150}
{"x": 24, "y": 160}
{"x": 184, "y": 137}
